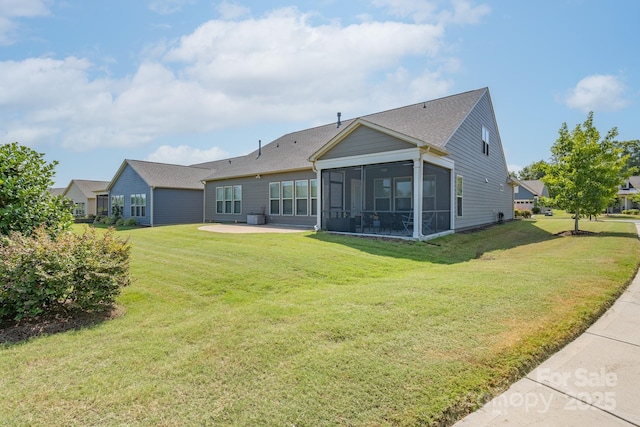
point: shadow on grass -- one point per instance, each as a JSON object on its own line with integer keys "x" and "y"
{"x": 455, "y": 248}
{"x": 12, "y": 332}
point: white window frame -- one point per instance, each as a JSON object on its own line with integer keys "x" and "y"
{"x": 313, "y": 196}
{"x": 229, "y": 200}
{"x": 284, "y": 186}
{"x": 273, "y": 199}
{"x": 301, "y": 184}
{"x": 459, "y": 195}
{"x": 485, "y": 141}
{"x": 138, "y": 205}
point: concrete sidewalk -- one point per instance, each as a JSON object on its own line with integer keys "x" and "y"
{"x": 593, "y": 381}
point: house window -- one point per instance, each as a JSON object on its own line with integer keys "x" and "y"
{"x": 274, "y": 198}
{"x": 313, "y": 184}
{"x": 229, "y": 199}
{"x": 117, "y": 205}
{"x": 402, "y": 193}
{"x": 516, "y": 189}
{"x": 302, "y": 197}
{"x": 138, "y": 205}
{"x": 220, "y": 200}
{"x": 382, "y": 194}
{"x": 78, "y": 209}
{"x": 458, "y": 195}
{"x": 237, "y": 199}
{"x": 485, "y": 141}
{"x": 287, "y": 198}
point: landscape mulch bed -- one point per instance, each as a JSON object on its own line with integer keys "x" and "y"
{"x": 12, "y": 332}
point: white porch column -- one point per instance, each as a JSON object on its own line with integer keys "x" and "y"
{"x": 417, "y": 197}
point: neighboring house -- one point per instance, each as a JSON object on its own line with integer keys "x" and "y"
{"x": 626, "y": 193}
{"x": 86, "y": 196}
{"x": 527, "y": 193}
{"x": 426, "y": 169}
{"x": 58, "y": 191}
{"x": 158, "y": 193}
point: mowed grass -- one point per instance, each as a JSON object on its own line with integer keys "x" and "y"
{"x": 320, "y": 330}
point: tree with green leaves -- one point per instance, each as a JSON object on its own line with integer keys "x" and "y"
{"x": 585, "y": 170}
{"x": 25, "y": 200}
{"x": 535, "y": 170}
{"x": 631, "y": 149}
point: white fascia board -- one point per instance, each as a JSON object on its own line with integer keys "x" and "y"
{"x": 438, "y": 160}
{"x": 369, "y": 159}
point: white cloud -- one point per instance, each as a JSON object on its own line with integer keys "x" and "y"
{"x": 11, "y": 10}
{"x": 167, "y": 7}
{"x": 227, "y": 73}
{"x": 514, "y": 168}
{"x": 185, "y": 155}
{"x": 598, "y": 93}
{"x": 464, "y": 11}
{"x": 231, "y": 11}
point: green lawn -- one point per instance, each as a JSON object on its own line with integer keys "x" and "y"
{"x": 320, "y": 330}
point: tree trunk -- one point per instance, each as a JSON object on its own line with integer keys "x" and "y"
{"x": 575, "y": 228}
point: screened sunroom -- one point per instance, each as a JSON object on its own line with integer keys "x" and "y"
{"x": 381, "y": 199}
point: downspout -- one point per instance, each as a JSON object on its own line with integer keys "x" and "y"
{"x": 318, "y": 225}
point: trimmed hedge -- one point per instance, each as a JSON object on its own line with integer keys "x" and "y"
{"x": 41, "y": 275}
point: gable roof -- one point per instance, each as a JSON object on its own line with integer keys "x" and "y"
{"x": 87, "y": 187}
{"x": 535, "y": 186}
{"x": 431, "y": 123}
{"x": 57, "y": 191}
{"x": 164, "y": 175}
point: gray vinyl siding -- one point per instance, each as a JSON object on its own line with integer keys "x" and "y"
{"x": 255, "y": 197}
{"x": 523, "y": 194}
{"x": 365, "y": 140}
{"x": 482, "y": 200}
{"x": 128, "y": 183}
{"x": 177, "y": 206}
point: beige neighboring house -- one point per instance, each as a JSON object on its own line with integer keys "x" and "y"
{"x": 626, "y": 193}
{"x": 88, "y": 197}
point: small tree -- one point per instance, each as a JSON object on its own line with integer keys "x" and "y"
{"x": 585, "y": 171}
{"x": 25, "y": 200}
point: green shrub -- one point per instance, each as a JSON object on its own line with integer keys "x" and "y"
{"x": 120, "y": 222}
{"x": 535, "y": 210}
{"x": 108, "y": 220}
{"x": 130, "y": 222}
{"x": 525, "y": 213}
{"x": 516, "y": 213}
{"x": 40, "y": 275}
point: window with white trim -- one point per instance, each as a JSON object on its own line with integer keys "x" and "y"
{"x": 117, "y": 205}
{"x": 382, "y": 194}
{"x": 287, "y": 198}
{"x": 302, "y": 197}
{"x": 274, "y": 198}
{"x": 78, "y": 209}
{"x": 402, "y": 193}
{"x": 458, "y": 195}
{"x": 313, "y": 184}
{"x": 138, "y": 205}
{"x": 485, "y": 141}
{"x": 229, "y": 199}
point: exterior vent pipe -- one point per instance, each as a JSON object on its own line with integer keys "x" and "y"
{"x": 259, "y": 149}
{"x": 339, "y": 115}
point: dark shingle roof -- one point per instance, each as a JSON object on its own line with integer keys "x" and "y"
{"x": 433, "y": 122}
{"x": 163, "y": 175}
{"x": 536, "y": 186}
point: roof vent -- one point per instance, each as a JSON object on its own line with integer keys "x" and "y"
{"x": 339, "y": 115}
{"x": 259, "y": 149}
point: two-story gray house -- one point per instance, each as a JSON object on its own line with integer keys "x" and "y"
{"x": 423, "y": 170}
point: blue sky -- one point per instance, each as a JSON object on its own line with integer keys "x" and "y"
{"x": 90, "y": 83}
